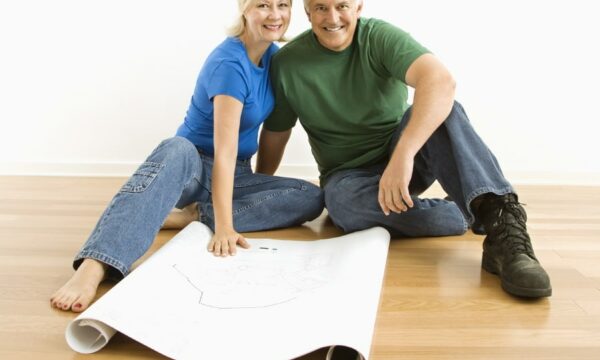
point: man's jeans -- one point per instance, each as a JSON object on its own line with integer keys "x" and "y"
{"x": 176, "y": 175}
{"x": 454, "y": 155}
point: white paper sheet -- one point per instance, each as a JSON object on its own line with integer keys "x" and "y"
{"x": 278, "y": 300}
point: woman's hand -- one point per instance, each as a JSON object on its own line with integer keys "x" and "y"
{"x": 224, "y": 243}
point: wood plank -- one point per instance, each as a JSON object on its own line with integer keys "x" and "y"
{"x": 437, "y": 302}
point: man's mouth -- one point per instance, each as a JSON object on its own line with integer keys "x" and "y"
{"x": 333, "y": 28}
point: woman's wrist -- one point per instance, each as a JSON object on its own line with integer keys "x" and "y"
{"x": 223, "y": 227}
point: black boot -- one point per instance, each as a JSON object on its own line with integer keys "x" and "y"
{"x": 507, "y": 250}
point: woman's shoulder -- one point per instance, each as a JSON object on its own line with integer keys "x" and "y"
{"x": 228, "y": 55}
{"x": 231, "y": 49}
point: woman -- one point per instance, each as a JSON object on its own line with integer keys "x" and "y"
{"x": 207, "y": 162}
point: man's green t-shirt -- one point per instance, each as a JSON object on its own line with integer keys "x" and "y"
{"x": 349, "y": 102}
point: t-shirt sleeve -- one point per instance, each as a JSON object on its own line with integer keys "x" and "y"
{"x": 227, "y": 78}
{"x": 394, "y": 50}
{"x": 283, "y": 117}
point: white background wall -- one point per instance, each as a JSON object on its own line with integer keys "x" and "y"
{"x": 90, "y": 86}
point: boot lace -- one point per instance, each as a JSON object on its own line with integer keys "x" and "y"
{"x": 511, "y": 230}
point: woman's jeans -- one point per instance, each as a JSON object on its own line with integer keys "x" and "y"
{"x": 176, "y": 175}
{"x": 454, "y": 155}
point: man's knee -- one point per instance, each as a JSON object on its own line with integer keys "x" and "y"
{"x": 457, "y": 114}
{"x": 313, "y": 199}
{"x": 343, "y": 210}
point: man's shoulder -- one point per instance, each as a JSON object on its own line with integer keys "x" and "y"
{"x": 372, "y": 22}
{"x": 371, "y": 26}
{"x": 384, "y": 34}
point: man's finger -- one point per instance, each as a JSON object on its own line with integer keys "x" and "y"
{"x": 406, "y": 197}
{"x": 389, "y": 201}
{"x": 381, "y": 200}
{"x": 397, "y": 198}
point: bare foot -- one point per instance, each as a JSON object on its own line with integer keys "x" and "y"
{"x": 77, "y": 294}
{"x": 178, "y": 219}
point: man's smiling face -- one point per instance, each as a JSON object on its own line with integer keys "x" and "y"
{"x": 334, "y": 21}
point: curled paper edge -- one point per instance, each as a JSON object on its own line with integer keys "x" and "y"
{"x": 87, "y": 336}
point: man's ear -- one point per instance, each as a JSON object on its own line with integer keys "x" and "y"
{"x": 307, "y": 14}
{"x": 359, "y": 8}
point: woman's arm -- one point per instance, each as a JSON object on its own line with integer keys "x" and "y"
{"x": 228, "y": 111}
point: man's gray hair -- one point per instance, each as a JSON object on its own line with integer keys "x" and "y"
{"x": 306, "y": 2}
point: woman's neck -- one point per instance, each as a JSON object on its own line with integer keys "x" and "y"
{"x": 255, "y": 49}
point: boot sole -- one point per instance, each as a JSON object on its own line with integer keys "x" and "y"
{"x": 490, "y": 266}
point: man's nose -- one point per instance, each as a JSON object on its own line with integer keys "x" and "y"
{"x": 333, "y": 16}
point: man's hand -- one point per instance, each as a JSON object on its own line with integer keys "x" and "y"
{"x": 393, "y": 186}
{"x": 433, "y": 101}
{"x": 224, "y": 243}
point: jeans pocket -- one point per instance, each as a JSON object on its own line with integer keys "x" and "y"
{"x": 142, "y": 177}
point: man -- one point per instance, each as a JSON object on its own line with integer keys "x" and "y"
{"x": 346, "y": 80}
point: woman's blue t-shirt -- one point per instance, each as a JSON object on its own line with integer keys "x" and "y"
{"x": 229, "y": 71}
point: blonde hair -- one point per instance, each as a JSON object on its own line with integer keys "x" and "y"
{"x": 239, "y": 26}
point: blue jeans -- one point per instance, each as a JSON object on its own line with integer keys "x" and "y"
{"x": 176, "y": 175}
{"x": 454, "y": 155}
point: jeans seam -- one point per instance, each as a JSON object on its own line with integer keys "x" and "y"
{"x": 193, "y": 177}
{"x": 465, "y": 225}
{"x": 259, "y": 201}
{"x": 104, "y": 218}
{"x": 241, "y": 186}
{"x": 91, "y": 254}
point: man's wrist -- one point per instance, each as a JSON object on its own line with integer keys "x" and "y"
{"x": 404, "y": 151}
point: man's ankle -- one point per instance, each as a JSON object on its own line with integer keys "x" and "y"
{"x": 488, "y": 207}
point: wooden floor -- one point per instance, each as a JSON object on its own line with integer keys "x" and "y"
{"x": 436, "y": 303}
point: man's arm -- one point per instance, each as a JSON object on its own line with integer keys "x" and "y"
{"x": 270, "y": 150}
{"x": 434, "y": 97}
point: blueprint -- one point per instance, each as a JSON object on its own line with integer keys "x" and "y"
{"x": 279, "y": 299}
{"x": 261, "y": 277}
